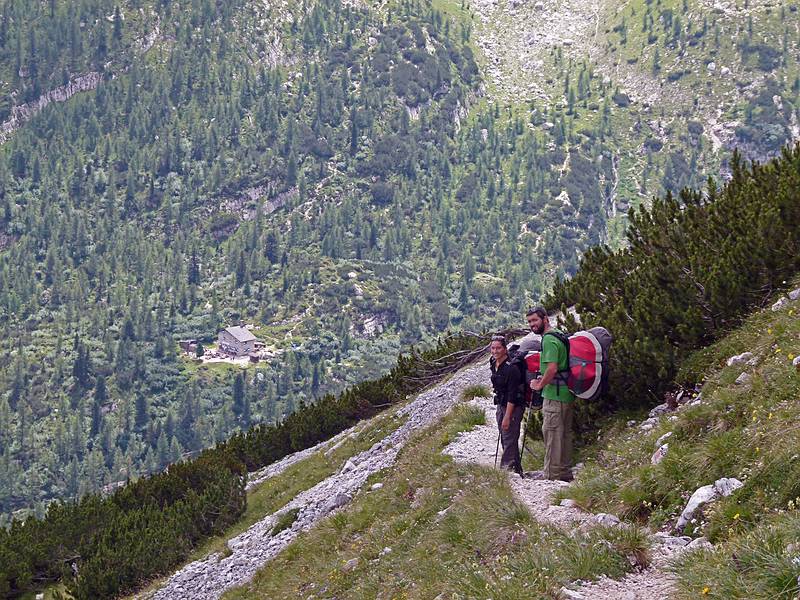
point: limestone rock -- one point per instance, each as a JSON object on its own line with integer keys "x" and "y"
{"x": 607, "y": 520}
{"x": 743, "y": 379}
{"x": 702, "y": 495}
{"x": 672, "y": 541}
{"x": 337, "y": 501}
{"x": 794, "y": 294}
{"x": 783, "y": 302}
{"x": 727, "y": 485}
{"x": 708, "y": 493}
{"x": 649, "y": 424}
{"x": 376, "y": 486}
{"x": 568, "y": 503}
{"x": 739, "y": 359}
{"x": 660, "y": 441}
{"x": 700, "y": 543}
{"x": 350, "y": 565}
{"x": 659, "y": 454}
{"x": 659, "y": 410}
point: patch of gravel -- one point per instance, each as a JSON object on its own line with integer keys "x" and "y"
{"x": 211, "y": 577}
{"x": 518, "y": 36}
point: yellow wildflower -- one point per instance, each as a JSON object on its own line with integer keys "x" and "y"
{"x": 706, "y": 590}
{"x": 736, "y": 517}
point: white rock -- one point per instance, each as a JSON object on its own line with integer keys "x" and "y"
{"x": 386, "y": 551}
{"x": 568, "y": 594}
{"x": 701, "y": 496}
{"x": 780, "y": 304}
{"x": 350, "y": 565}
{"x": 724, "y": 71}
{"x": 606, "y": 520}
{"x": 700, "y": 543}
{"x": 659, "y": 410}
{"x": 796, "y": 361}
{"x": 649, "y": 424}
{"x": 711, "y": 67}
{"x": 727, "y": 485}
{"x": 631, "y": 423}
{"x": 660, "y": 441}
{"x": 794, "y": 294}
{"x": 671, "y": 541}
{"x": 659, "y": 454}
{"x": 568, "y": 503}
{"x": 348, "y": 466}
{"x": 337, "y": 501}
{"x": 743, "y": 379}
{"x": 740, "y": 359}
{"x": 376, "y": 486}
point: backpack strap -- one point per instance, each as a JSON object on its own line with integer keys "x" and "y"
{"x": 562, "y": 375}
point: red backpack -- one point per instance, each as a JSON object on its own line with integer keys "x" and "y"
{"x": 587, "y": 376}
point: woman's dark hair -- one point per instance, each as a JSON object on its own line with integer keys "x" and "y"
{"x": 501, "y": 339}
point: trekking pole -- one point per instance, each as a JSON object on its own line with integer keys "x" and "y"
{"x": 525, "y": 433}
{"x": 496, "y": 450}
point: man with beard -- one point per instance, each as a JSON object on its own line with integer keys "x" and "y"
{"x": 558, "y": 400}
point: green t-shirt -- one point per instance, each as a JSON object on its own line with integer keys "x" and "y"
{"x": 554, "y": 351}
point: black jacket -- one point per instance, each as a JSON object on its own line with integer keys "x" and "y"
{"x": 507, "y": 382}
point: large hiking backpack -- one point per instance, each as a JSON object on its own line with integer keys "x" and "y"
{"x": 587, "y": 376}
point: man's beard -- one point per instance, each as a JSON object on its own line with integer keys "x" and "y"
{"x": 538, "y": 330}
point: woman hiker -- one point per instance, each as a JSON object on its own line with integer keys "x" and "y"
{"x": 509, "y": 397}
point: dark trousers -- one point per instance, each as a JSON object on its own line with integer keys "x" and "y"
{"x": 510, "y": 439}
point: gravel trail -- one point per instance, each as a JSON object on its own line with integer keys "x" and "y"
{"x": 478, "y": 446}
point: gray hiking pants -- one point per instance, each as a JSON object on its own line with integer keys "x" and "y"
{"x": 510, "y": 439}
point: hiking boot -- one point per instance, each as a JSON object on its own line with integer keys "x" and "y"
{"x": 537, "y": 475}
{"x": 568, "y": 477}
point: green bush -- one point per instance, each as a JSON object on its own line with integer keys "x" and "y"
{"x": 694, "y": 265}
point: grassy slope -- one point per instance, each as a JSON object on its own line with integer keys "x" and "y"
{"x": 439, "y": 527}
{"x": 747, "y": 431}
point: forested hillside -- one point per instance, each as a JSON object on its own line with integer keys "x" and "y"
{"x": 310, "y": 170}
{"x": 341, "y": 177}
